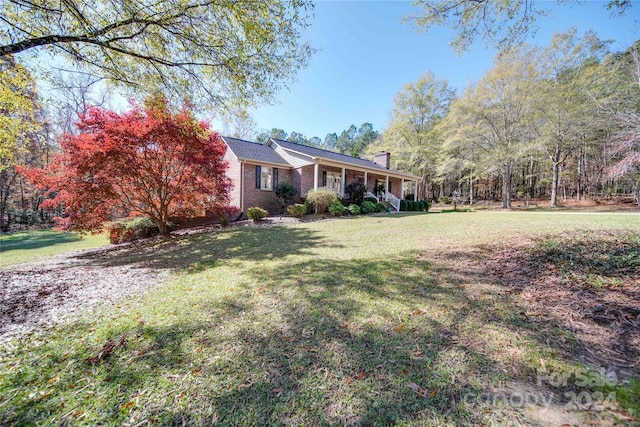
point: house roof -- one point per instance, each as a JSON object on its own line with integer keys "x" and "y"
{"x": 254, "y": 152}
{"x": 336, "y": 157}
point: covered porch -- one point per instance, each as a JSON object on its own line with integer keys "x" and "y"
{"x": 384, "y": 186}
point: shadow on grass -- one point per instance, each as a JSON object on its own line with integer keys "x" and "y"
{"x": 355, "y": 342}
{"x": 380, "y": 341}
{"x": 35, "y": 240}
{"x": 199, "y": 252}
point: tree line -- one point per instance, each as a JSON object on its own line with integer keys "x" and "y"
{"x": 556, "y": 122}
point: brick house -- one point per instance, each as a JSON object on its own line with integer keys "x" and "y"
{"x": 255, "y": 169}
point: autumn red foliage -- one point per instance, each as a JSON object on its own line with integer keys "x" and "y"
{"x": 148, "y": 161}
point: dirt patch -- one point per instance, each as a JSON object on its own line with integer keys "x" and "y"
{"x": 34, "y": 296}
{"x": 585, "y": 283}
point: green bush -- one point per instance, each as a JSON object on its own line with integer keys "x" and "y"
{"x": 256, "y": 214}
{"x": 353, "y": 209}
{"x": 427, "y": 205}
{"x": 355, "y": 192}
{"x": 403, "y": 205}
{"x": 321, "y": 199}
{"x": 337, "y": 209}
{"x": 367, "y": 207}
{"x": 369, "y": 199}
{"x": 415, "y": 206}
{"x": 25, "y": 217}
{"x": 142, "y": 227}
{"x": 381, "y": 207}
{"x": 285, "y": 192}
{"x": 137, "y": 228}
{"x": 297, "y": 210}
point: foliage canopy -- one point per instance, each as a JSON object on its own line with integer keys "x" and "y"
{"x": 216, "y": 52}
{"x": 148, "y": 161}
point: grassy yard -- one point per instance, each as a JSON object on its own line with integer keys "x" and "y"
{"x": 27, "y": 246}
{"x": 382, "y": 320}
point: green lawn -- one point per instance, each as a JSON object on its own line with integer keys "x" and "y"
{"x": 382, "y": 320}
{"x": 27, "y": 246}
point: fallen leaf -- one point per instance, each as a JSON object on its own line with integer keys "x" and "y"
{"x": 399, "y": 328}
{"x": 247, "y": 385}
{"x": 277, "y": 391}
{"x": 199, "y": 349}
{"x": 107, "y": 349}
{"x": 129, "y": 404}
{"x": 404, "y": 372}
{"x": 433, "y": 393}
{"x": 361, "y": 376}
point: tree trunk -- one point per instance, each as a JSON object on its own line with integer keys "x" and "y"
{"x": 506, "y": 187}
{"x": 556, "y": 174}
{"x": 162, "y": 226}
{"x": 555, "y": 184}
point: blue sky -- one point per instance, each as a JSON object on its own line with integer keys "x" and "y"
{"x": 367, "y": 54}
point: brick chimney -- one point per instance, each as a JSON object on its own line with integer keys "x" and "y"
{"x": 383, "y": 158}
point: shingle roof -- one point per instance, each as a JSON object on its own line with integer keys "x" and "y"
{"x": 254, "y": 152}
{"x": 329, "y": 155}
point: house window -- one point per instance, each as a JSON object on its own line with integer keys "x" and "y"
{"x": 333, "y": 181}
{"x": 266, "y": 177}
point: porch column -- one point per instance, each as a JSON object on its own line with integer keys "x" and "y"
{"x": 386, "y": 185}
{"x": 401, "y": 189}
{"x": 343, "y": 182}
{"x": 415, "y": 191}
{"x": 316, "y": 169}
{"x": 366, "y": 178}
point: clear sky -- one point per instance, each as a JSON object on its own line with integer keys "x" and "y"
{"x": 367, "y": 54}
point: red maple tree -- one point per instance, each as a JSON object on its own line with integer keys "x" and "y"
{"x": 147, "y": 161}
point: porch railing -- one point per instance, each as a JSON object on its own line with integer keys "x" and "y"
{"x": 393, "y": 201}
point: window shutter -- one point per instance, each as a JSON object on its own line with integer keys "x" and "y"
{"x": 324, "y": 178}
{"x": 258, "y": 174}
{"x": 275, "y": 177}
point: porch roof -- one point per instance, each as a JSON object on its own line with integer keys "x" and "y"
{"x": 340, "y": 159}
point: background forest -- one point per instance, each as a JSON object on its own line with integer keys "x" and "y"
{"x": 547, "y": 123}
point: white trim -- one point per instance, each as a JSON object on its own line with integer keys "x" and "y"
{"x": 316, "y": 169}
{"x": 241, "y": 185}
